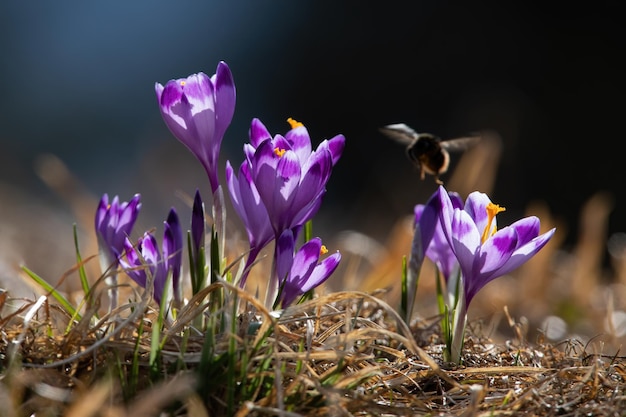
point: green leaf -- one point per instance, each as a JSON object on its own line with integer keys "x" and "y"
{"x": 53, "y": 292}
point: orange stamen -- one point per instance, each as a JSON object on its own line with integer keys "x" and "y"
{"x": 323, "y": 250}
{"x": 492, "y": 210}
{"x": 294, "y": 123}
{"x": 279, "y": 152}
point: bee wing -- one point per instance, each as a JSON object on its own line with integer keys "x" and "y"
{"x": 459, "y": 144}
{"x": 400, "y": 132}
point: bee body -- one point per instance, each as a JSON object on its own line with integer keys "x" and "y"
{"x": 427, "y": 152}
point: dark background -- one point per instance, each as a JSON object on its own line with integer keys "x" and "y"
{"x": 77, "y": 80}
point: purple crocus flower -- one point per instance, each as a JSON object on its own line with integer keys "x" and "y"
{"x": 301, "y": 271}
{"x": 198, "y": 110}
{"x": 114, "y": 221}
{"x": 289, "y": 176}
{"x": 145, "y": 260}
{"x": 281, "y": 183}
{"x": 485, "y": 253}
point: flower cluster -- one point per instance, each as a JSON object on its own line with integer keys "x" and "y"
{"x": 276, "y": 191}
{"x": 278, "y": 188}
{"x": 280, "y": 184}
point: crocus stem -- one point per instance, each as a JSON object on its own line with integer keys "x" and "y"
{"x": 219, "y": 217}
{"x": 272, "y": 287}
{"x": 453, "y": 289}
{"x": 254, "y": 253}
{"x": 458, "y": 329}
{"x": 111, "y": 283}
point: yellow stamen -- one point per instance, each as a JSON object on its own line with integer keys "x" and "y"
{"x": 323, "y": 250}
{"x": 294, "y": 123}
{"x": 182, "y": 83}
{"x": 279, "y": 152}
{"x": 492, "y": 210}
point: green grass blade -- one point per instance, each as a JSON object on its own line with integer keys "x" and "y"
{"x": 441, "y": 301}
{"x": 232, "y": 361}
{"x": 53, "y": 292}
{"x": 404, "y": 302}
{"x": 81, "y": 267}
{"x": 133, "y": 377}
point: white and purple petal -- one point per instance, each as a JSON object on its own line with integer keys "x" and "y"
{"x": 527, "y": 229}
{"x": 524, "y": 253}
{"x": 285, "y": 187}
{"x": 258, "y": 133}
{"x": 249, "y": 206}
{"x": 322, "y": 272}
{"x": 497, "y": 250}
{"x": 225, "y": 97}
{"x": 300, "y": 142}
{"x": 335, "y": 146}
{"x": 476, "y": 206}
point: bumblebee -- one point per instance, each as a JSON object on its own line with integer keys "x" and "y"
{"x": 426, "y": 151}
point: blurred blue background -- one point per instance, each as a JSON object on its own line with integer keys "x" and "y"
{"x": 77, "y": 81}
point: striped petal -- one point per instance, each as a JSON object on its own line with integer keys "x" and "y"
{"x": 322, "y": 272}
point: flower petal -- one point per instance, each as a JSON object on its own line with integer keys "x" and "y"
{"x": 304, "y": 263}
{"x": 322, "y": 272}
{"x": 199, "y": 92}
{"x": 305, "y": 260}
{"x": 307, "y": 212}
{"x": 285, "y": 188}
{"x": 258, "y": 133}
{"x": 335, "y": 146}
{"x": 173, "y": 251}
{"x": 465, "y": 242}
{"x": 300, "y": 142}
{"x": 527, "y": 229}
{"x": 285, "y": 245}
{"x": 497, "y": 250}
{"x": 249, "y": 206}
{"x": 525, "y": 252}
{"x": 128, "y": 215}
{"x": 198, "y": 223}
{"x": 313, "y": 181}
{"x": 225, "y": 97}
{"x": 476, "y": 207}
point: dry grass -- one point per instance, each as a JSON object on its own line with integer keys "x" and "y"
{"x": 345, "y": 352}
